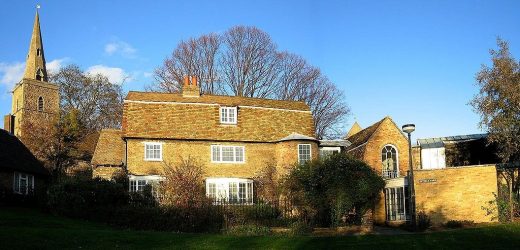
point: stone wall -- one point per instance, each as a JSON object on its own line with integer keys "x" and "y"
{"x": 455, "y": 193}
{"x": 257, "y": 156}
{"x": 25, "y": 103}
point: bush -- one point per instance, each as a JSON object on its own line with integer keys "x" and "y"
{"x": 249, "y": 230}
{"x": 327, "y": 190}
{"x": 109, "y": 202}
{"x": 258, "y": 214}
{"x": 300, "y": 228}
{"x": 83, "y": 198}
{"x": 458, "y": 223}
{"x": 423, "y": 221}
{"x": 177, "y": 219}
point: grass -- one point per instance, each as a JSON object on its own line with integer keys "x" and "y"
{"x": 30, "y": 229}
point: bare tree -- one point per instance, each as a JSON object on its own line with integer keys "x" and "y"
{"x": 250, "y": 62}
{"x": 302, "y": 82}
{"x": 183, "y": 185}
{"x": 244, "y": 61}
{"x": 195, "y": 57}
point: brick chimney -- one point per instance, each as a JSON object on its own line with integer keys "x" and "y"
{"x": 190, "y": 87}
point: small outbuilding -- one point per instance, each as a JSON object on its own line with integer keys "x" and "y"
{"x": 20, "y": 172}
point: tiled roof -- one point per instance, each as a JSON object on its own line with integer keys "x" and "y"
{"x": 14, "y": 155}
{"x": 362, "y": 136}
{"x": 171, "y": 116}
{"x": 109, "y": 149}
{"x": 217, "y": 99}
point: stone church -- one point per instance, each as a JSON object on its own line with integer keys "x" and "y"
{"x": 35, "y": 101}
{"x": 35, "y": 108}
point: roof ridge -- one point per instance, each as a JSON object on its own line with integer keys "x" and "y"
{"x": 212, "y": 95}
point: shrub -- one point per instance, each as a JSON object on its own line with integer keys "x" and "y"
{"x": 249, "y": 230}
{"x": 183, "y": 185}
{"x": 258, "y": 214}
{"x": 458, "y": 223}
{"x": 300, "y": 228}
{"x": 84, "y": 198}
{"x": 423, "y": 221}
{"x": 327, "y": 190}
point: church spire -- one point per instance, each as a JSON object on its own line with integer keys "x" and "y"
{"x": 35, "y": 65}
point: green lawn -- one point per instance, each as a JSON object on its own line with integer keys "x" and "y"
{"x": 24, "y": 229}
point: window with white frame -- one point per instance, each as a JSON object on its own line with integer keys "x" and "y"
{"x": 227, "y": 154}
{"x": 230, "y": 190}
{"x": 228, "y": 115}
{"x": 152, "y": 151}
{"x": 397, "y": 203}
{"x": 23, "y": 183}
{"x": 328, "y": 151}
{"x": 389, "y": 157}
{"x": 144, "y": 183}
{"x": 304, "y": 152}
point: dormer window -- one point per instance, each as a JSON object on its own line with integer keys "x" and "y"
{"x": 38, "y": 52}
{"x": 228, "y": 115}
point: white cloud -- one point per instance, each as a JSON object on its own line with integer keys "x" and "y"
{"x": 120, "y": 48}
{"x": 11, "y": 73}
{"x": 147, "y": 74}
{"x": 114, "y": 75}
{"x": 55, "y": 65}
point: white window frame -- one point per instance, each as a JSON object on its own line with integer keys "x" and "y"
{"x": 147, "y": 179}
{"x": 220, "y": 152}
{"x": 392, "y": 202}
{"x": 299, "y": 156}
{"x": 397, "y": 174}
{"x": 329, "y": 149}
{"x": 160, "y": 144}
{"x": 229, "y": 110}
{"x": 222, "y": 187}
{"x": 29, "y": 181}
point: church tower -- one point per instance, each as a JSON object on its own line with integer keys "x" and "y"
{"x": 35, "y": 101}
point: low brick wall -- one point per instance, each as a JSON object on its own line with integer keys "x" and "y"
{"x": 455, "y": 193}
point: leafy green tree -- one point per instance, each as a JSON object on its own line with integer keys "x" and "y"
{"x": 498, "y": 104}
{"x": 326, "y": 191}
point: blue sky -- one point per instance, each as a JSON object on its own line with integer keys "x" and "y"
{"x": 412, "y": 60}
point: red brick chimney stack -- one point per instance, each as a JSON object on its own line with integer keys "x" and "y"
{"x": 190, "y": 87}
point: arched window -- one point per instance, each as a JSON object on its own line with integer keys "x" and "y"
{"x": 389, "y": 158}
{"x": 40, "y": 104}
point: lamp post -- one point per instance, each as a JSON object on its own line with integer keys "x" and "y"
{"x": 409, "y": 128}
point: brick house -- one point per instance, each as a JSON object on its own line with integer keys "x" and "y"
{"x": 232, "y": 137}
{"x": 449, "y": 181}
{"x": 385, "y": 148}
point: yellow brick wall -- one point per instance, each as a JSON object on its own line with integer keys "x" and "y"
{"x": 455, "y": 193}
{"x": 387, "y": 133}
{"x": 257, "y": 156}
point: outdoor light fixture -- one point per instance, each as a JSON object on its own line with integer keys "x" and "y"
{"x": 409, "y": 128}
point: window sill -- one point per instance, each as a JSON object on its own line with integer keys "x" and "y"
{"x": 156, "y": 160}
